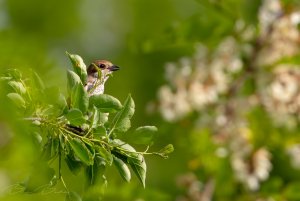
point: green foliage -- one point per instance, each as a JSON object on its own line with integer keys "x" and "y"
{"x": 81, "y": 132}
{"x": 105, "y": 103}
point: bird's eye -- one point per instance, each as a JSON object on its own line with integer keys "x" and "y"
{"x": 102, "y": 66}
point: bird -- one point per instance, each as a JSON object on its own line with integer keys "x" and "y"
{"x": 95, "y": 82}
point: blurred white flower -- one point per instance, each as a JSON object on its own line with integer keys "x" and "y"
{"x": 250, "y": 167}
{"x": 285, "y": 86}
{"x": 280, "y": 41}
{"x": 173, "y": 106}
{"x": 268, "y": 13}
{"x": 198, "y": 81}
{"x": 283, "y": 96}
{"x": 294, "y": 154}
{"x": 195, "y": 189}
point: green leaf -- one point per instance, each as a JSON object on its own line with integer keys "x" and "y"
{"x": 142, "y": 135}
{"x": 40, "y": 177}
{"x": 103, "y": 118}
{"x": 105, "y": 154}
{"x": 99, "y": 131}
{"x": 17, "y": 99}
{"x": 138, "y": 165}
{"x": 37, "y": 81}
{"x": 105, "y": 103}
{"x": 122, "y": 168}
{"x": 94, "y": 171}
{"x": 136, "y": 161}
{"x": 164, "y": 152}
{"x": 121, "y": 122}
{"x": 78, "y": 66}
{"x": 167, "y": 149}
{"x": 75, "y": 117}
{"x": 73, "y": 79}
{"x": 18, "y": 87}
{"x": 72, "y": 196}
{"x": 54, "y": 147}
{"x": 14, "y": 73}
{"x": 73, "y": 164}
{"x": 123, "y": 145}
{"x": 79, "y": 98}
{"x": 95, "y": 118}
{"x": 81, "y": 151}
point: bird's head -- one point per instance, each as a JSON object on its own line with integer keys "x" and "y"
{"x": 106, "y": 68}
{"x": 95, "y": 83}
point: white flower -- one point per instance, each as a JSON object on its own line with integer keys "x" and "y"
{"x": 294, "y": 154}
{"x": 283, "y": 95}
{"x": 268, "y": 13}
{"x": 173, "y": 106}
{"x": 199, "y": 81}
{"x": 250, "y": 167}
{"x": 285, "y": 86}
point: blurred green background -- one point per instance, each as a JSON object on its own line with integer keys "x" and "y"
{"x": 140, "y": 37}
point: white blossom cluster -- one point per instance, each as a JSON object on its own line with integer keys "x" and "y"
{"x": 252, "y": 172}
{"x": 294, "y": 154}
{"x": 197, "y": 82}
{"x": 207, "y": 78}
{"x": 279, "y": 31}
{"x": 196, "y": 190}
{"x": 283, "y": 95}
{"x": 281, "y": 41}
{"x": 250, "y": 166}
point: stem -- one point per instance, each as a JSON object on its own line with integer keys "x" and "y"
{"x": 33, "y": 119}
{"x": 64, "y": 184}
{"x": 59, "y": 168}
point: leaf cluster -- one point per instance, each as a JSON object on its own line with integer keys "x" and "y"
{"x": 83, "y": 130}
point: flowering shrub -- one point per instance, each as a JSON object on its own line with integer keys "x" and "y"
{"x": 243, "y": 99}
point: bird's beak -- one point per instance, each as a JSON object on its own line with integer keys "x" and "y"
{"x": 114, "y": 68}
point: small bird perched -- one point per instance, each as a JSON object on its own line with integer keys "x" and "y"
{"x": 98, "y": 73}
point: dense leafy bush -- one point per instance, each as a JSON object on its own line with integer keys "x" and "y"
{"x": 86, "y": 131}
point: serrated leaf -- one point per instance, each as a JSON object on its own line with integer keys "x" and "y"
{"x": 72, "y": 196}
{"x": 17, "y": 99}
{"x": 121, "y": 122}
{"x": 79, "y": 98}
{"x": 78, "y": 66}
{"x": 142, "y": 135}
{"x": 17, "y": 86}
{"x": 105, "y": 154}
{"x": 75, "y": 117}
{"x": 105, "y": 103}
{"x": 138, "y": 165}
{"x": 122, "y": 168}
{"x": 73, "y": 79}
{"x": 81, "y": 151}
